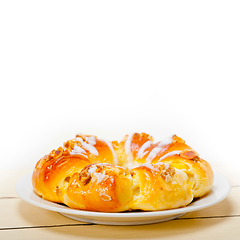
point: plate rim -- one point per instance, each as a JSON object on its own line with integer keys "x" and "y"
{"x": 161, "y": 213}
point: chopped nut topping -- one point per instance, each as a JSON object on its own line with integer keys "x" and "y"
{"x": 196, "y": 159}
{"x": 59, "y": 152}
{"x": 80, "y": 135}
{"x": 175, "y": 139}
{"x": 136, "y": 135}
{"x": 105, "y": 197}
{"x": 167, "y": 174}
{"x": 56, "y": 154}
{"x": 66, "y": 152}
{"x": 141, "y": 137}
{"x": 69, "y": 144}
{"x": 85, "y": 177}
{"x": 168, "y": 179}
{"x": 189, "y": 154}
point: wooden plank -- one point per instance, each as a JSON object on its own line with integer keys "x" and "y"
{"x": 18, "y": 213}
{"x": 197, "y": 229}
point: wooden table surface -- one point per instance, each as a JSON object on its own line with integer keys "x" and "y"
{"x": 21, "y": 220}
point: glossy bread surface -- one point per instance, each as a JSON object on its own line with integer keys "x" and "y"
{"x": 136, "y": 173}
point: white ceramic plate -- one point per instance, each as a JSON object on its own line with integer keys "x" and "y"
{"x": 220, "y": 190}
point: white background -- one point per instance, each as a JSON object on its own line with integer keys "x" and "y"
{"x": 110, "y": 68}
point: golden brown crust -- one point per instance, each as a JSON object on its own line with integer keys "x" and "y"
{"x": 105, "y": 155}
{"x": 160, "y": 188}
{"x": 137, "y": 140}
{"x": 199, "y": 172}
{"x": 52, "y": 173}
{"x": 96, "y": 175}
{"x": 103, "y": 188}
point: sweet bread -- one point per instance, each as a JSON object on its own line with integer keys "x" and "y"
{"x": 93, "y": 174}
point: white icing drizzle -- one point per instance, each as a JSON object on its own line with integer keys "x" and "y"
{"x": 132, "y": 165}
{"x": 153, "y": 154}
{"x": 166, "y": 165}
{"x": 115, "y": 159}
{"x": 166, "y": 141}
{"x": 144, "y": 153}
{"x": 88, "y": 146}
{"x": 75, "y": 153}
{"x": 120, "y": 167}
{"x": 151, "y": 166}
{"x": 78, "y": 150}
{"x": 91, "y": 140}
{"x": 92, "y": 169}
{"x": 161, "y": 163}
{"x": 100, "y": 176}
{"x": 159, "y": 147}
{"x": 148, "y": 165}
{"x": 99, "y": 164}
{"x": 78, "y": 139}
{"x": 169, "y": 154}
{"x": 127, "y": 144}
{"x": 130, "y": 177}
{"x": 128, "y": 151}
{"x": 141, "y": 152}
